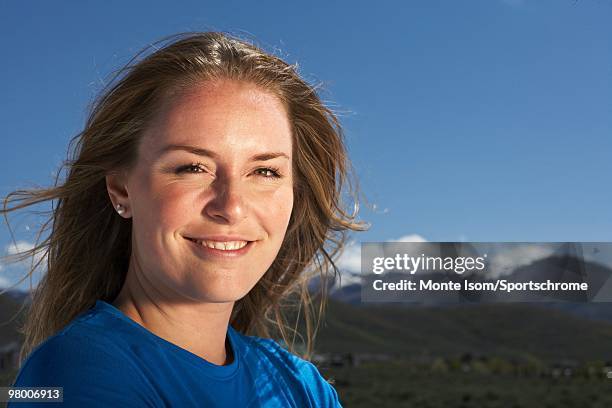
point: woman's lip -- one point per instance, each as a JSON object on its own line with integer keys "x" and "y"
{"x": 220, "y": 253}
{"x": 220, "y": 238}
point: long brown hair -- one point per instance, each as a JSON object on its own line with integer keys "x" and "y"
{"x": 88, "y": 250}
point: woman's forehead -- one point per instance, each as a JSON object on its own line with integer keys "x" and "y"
{"x": 232, "y": 118}
{"x": 221, "y": 95}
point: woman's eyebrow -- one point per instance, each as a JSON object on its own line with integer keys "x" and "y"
{"x": 191, "y": 149}
{"x": 209, "y": 153}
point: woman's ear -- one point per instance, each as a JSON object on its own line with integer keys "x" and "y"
{"x": 116, "y": 185}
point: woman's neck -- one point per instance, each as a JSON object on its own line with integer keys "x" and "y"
{"x": 200, "y": 328}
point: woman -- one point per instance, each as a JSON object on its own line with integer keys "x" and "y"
{"x": 204, "y": 194}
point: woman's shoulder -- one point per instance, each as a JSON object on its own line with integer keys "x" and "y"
{"x": 89, "y": 335}
{"x": 71, "y": 350}
{"x": 271, "y": 350}
{"x": 290, "y": 366}
{"x": 91, "y": 368}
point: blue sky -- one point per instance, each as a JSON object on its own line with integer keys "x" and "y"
{"x": 479, "y": 120}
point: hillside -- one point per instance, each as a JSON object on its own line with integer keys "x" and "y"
{"x": 11, "y": 314}
{"x": 518, "y": 331}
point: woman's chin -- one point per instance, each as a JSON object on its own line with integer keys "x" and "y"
{"x": 222, "y": 294}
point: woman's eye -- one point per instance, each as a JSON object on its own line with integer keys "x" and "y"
{"x": 268, "y": 172}
{"x": 192, "y": 168}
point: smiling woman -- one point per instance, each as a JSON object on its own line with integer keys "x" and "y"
{"x": 203, "y": 195}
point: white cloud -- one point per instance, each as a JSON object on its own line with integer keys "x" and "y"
{"x": 18, "y": 246}
{"x": 350, "y": 259}
{"x": 409, "y": 238}
{"x": 349, "y": 262}
{"x": 13, "y": 271}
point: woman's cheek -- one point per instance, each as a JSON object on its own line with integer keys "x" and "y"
{"x": 175, "y": 202}
{"x": 283, "y": 206}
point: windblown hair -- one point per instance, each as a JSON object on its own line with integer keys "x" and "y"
{"x": 88, "y": 250}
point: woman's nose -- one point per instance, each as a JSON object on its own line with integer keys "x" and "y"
{"x": 228, "y": 204}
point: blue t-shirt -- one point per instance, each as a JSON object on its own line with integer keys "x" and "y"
{"x": 105, "y": 359}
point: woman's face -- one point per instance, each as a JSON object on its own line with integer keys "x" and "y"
{"x": 216, "y": 165}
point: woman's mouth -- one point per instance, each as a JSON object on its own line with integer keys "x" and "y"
{"x": 221, "y": 249}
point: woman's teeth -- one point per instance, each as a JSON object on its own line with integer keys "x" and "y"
{"x": 224, "y": 246}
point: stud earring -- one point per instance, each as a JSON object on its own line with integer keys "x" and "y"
{"x": 120, "y": 209}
